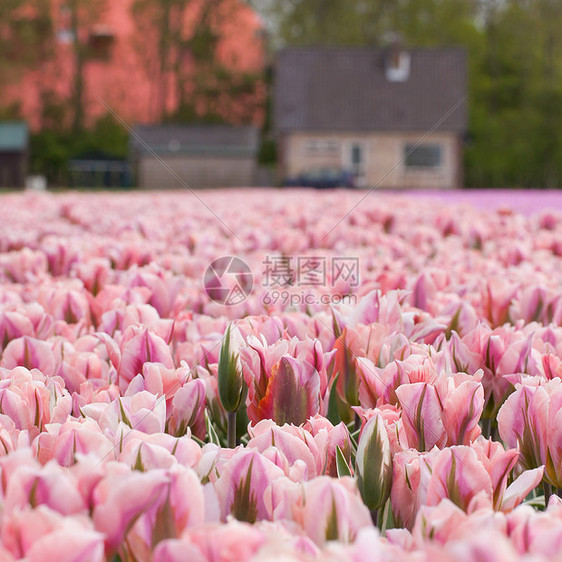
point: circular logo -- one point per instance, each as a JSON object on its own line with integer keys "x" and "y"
{"x": 228, "y": 280}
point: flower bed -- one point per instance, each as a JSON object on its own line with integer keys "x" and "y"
{"x": 383, "y": 384}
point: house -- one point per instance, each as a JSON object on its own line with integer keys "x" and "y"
{"x": 14, "y": 153}
{"x": 394, "y": 117}
{"x": 120, "y": 64}
{"x": 172, "y": 156}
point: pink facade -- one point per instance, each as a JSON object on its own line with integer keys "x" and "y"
{"x": 126, "y": 80}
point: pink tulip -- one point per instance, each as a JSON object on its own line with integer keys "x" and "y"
{"x": 455, "y": 535}
{"x": 520, "y": 357}
{"x": 270, "y": 328}
{"x": 462, "y": 399}
{"x": 331, "y": 509}
{"x": 530, "y": 305}
{"x": 242, "y": 483}
{"x": 497, "y": 301}
{"x": 63, "y": 442}
{"x": 378, "y": 385}
{"x": 552, "y": 366}
{"x": 328, "y": 438}
{"x": 60, "y": 256}
{"x": 14, "y": 325}
{"x": 351, "y": 347}
{"x": 233, "y": 541}
{"x": 122, "y": 497}
{"x": 292, "y": 395}
{"x": 537, "y": 533}
{"x": 23, "y": 265}
{"x": 180, "y": 508}
{"x": 159, "y": 380}
{"x": 175, "y": 550}
{"x": 188, "y": 409}
{"x": 163, "y": 291}
{"x": 49, "y": 485}
{"x": 157, "y": 450}
{"x": 455, "y": 473}
{"x": 461, "y": 357}
{"x": 143, "y": 411}
{"x": 293, "y": 443}
{"x": 31, "y": 403}
{"x": 94, "y": 274}
{"x": 66, "y": 303}
{"x": 283, "y": 384}
{"x": 41, "y": 535}
{"x": 383, "y": 309}
{"x": 394, "y": 425}
{"x": 79, "y": 366}
{"x": 406, "y": 476}
{"x": 30, "y": 353}
{"x": 530, "y": 420}
{"x": 471, "y": 477}
{"x": 421, "y": 415}
{"x": 142, "y": 348}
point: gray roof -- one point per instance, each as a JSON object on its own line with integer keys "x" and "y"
{"x": 14, "y": 136}
{"x": 200, "y": 139}
{"x": 346, "y": 89}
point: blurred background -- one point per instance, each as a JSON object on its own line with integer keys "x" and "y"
{"x": 91, "y": 90}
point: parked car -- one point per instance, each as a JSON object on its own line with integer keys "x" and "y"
{"x": 322, "y": 178}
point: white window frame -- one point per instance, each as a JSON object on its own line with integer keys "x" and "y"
{"x": 322, "y": 146}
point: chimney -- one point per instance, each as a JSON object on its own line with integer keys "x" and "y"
{"x": 397, "y": 60}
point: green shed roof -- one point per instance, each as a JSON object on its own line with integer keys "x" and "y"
{"x": 13, "y": 135}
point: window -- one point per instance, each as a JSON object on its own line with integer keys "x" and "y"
{"x": 322, "y": 146}
{"x": 422, "y": 156}
{"x": 101, "y": 42}
{"x": 65, "y": 33}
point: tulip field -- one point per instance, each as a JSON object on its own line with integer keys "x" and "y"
{"x": 280, "y": 375}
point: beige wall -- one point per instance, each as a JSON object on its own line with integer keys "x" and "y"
{"x": 196, "y": 172}
{"x": 384, "y": 152}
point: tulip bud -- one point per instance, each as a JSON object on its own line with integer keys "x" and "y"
{"x": 374, "y": 464}
{"x": 232, "y": 388}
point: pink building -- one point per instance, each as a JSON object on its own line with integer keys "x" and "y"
{"x": 121, "y": 67}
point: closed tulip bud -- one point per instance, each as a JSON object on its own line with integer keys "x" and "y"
{"x": 232, "y": 388}
{"x": 374, "y": 464}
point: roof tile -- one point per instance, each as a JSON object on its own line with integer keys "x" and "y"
{"x": 346, "y": 89}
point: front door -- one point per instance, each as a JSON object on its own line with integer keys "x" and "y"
{"x": 356, "y": 161}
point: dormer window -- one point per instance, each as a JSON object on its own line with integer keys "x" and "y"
{"x": 100, "y": 42}
{"x": 397, "y": 64}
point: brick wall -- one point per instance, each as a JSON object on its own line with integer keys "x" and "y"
{"x": 384, "y": 154}
{"x": 196, "y": 172}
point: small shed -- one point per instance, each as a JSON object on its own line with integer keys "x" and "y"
{"x": 174, "y": 156}
{"x": 14, "y": 153}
